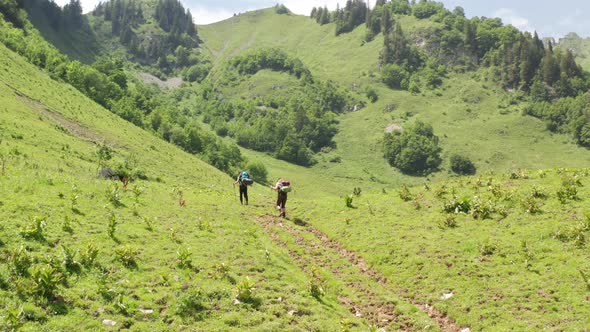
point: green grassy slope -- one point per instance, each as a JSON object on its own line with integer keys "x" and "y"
{"x": 49, "y": 134}
{"x": 524, "y": 267}
{"x": 469, "y": 113}
{"x": 342, "y": 59}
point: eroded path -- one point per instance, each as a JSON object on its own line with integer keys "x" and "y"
{"x": 364, "y": 291}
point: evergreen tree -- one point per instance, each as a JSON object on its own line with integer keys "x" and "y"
{"x": 399, "y": 45}
{"x": 550, "y": 69}
{"x": 386, "y": 22}
{"x": 568, "y": 65}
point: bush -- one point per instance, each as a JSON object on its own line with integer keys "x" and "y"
{"x": 372, "y": 95}
{"x": 191, "y": 304}
{"x": 348, "y": 200}
{"x": 258, "y": 171}
{"x": 395, "y": 77}
{"x": 457, "y": 206}
{"x": 462, "y": 165}
{"x": 414, "y": 151}
{"x": 405, "y": 194}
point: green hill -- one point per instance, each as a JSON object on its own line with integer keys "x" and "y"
{"x": 469, "y": 112}
{"x": 162, "y": 243}
{"x": 57, "y": 212}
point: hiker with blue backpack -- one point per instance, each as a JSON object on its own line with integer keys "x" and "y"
{"x": 244, "y": 180}
{"x": 282, "y": 187}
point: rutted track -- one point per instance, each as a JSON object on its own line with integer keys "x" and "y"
{"x": 371, "y": 291}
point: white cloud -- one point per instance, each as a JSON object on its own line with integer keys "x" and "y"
{"x": 511, "y": 17}
{"x": 203, "y": 15}
{"x": 87, "y": 5}
{"x": 302, "y": 7}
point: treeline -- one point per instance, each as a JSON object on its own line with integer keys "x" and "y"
{"x": 520, "y": 60}
{"x": 166, "y": 49}
{"x": 524, "y": 63}
{"x": 346, "y": 19}
{"x": 569, "y": 115}
{"x": 291, "y": 128}
{"x": 60, "y": 19}
{"x": 105, "y": 83}
{"x": 251, "y": 62}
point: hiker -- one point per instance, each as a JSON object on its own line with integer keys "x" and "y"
{"x": 282, "y": 187}
{"x": 244, "y": 181}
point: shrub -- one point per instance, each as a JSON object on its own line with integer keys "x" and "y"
{"x": 530, "y": 204}
{"x": 395, "y": 76}
{"x": 88, "y": 256}
{"x": 21, "y": 261}
{"x": 46, "y": 280}
{"x": 112, "y": 226}
{"x": 183, "y": 256}
{"x": 488, "y": 249}
{"x": 371, "y": 95}
{"x": 462, "y": 165}
{"x": 113, "y": 195}
{"x": 405, "y": 194}
{"x": 481, "y": 209}
{"x": 348, "y": 200}
{"x": 448, "y": 221}
{"x": 191, "y": 303}
{"x": 246, "y": 290}
{"x": 414, "y": 151}
{"x": 357, "y": 191}
{"x": 67, "y": 225}
{"x": 316, "y": 285}
{"x": 34, "y": 229}
{"x": 567, "y": 192}
{"x": 69, "y": 259}
{"x": 457, "y": 206}
{"x": 258, "y": 171}
{"x": 127, "y": 255}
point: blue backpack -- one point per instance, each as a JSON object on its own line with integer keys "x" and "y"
{"x": 245, "y": 179}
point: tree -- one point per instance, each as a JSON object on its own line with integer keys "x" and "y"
{"x": 386, "y": 22}
{"x": 395, "y": 76}
{"x": 462, "y": 165}
{"x": 414, "y": 151}
{"x": 550, "y": 69}
{"x": 258, "y": 171}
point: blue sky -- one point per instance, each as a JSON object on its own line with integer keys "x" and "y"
{"x": 549, "y": 18}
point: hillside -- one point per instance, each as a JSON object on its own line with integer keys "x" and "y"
{"x": 50, "y": 136}
{"x": 465, "y": 103}
{"x": 113, "y": 220}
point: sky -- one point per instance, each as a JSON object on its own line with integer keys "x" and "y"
{"x": 549, "y": 18}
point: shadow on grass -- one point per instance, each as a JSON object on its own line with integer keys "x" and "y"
{"x": 78, "y": 212}
{"x": 299, "y": 222}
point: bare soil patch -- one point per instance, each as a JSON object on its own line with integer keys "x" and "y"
{"x": 393, "y": 127}
{"x": 171, "y": 83}
{"x": 371, "y": 306}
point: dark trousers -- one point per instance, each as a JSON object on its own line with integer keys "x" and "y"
{"x": 243, "y": 192}
{"x": 281, "y": 202}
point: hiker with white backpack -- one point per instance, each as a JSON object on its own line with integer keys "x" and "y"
{"x": 244, "y": 180}
{"x": 283, "y": 186}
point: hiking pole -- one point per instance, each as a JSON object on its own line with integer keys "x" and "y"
{"x": 235, "y": 195}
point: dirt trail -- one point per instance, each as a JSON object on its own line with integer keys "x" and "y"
{"x": 369, "y": 286}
